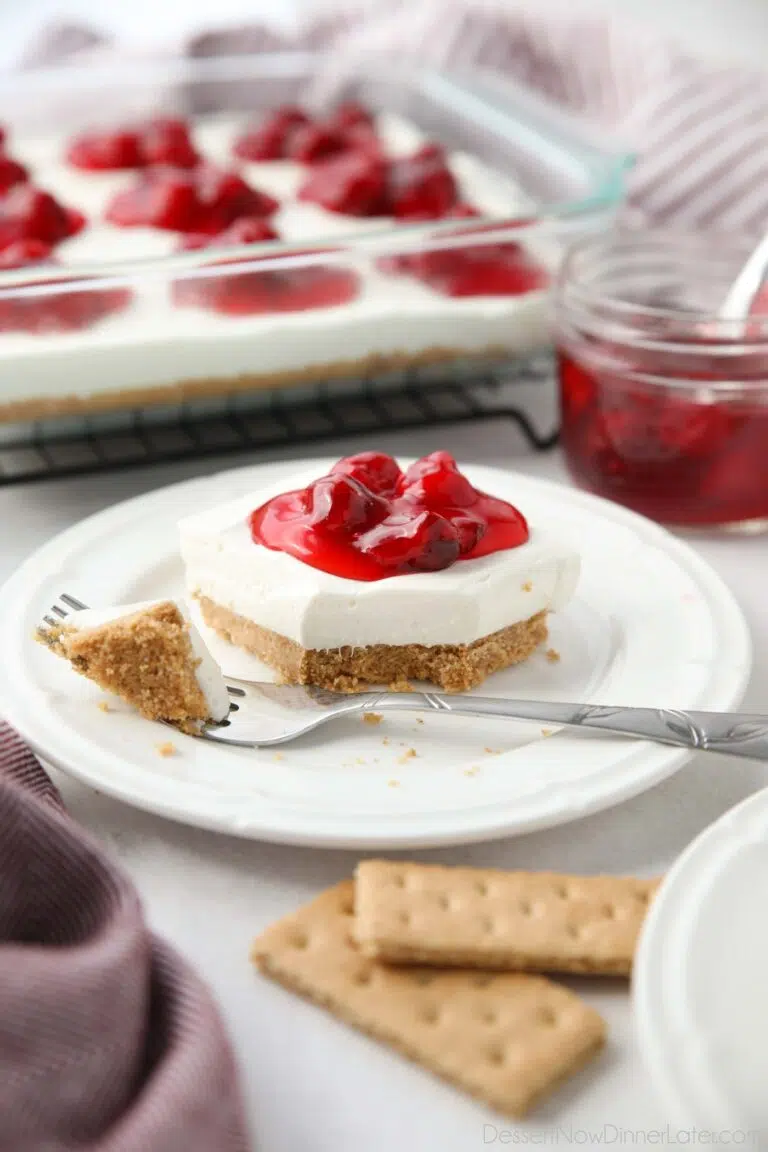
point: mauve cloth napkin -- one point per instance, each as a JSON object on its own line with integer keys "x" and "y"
{"x": 108, "y": 1042}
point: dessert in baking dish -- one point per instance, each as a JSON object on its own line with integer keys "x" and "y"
{"x": 374, "y": 575}
{"x": 149, "y": 654}
{"x": 300, "y": 187}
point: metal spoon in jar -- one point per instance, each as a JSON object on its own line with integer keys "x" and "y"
{"x": 738, "y": 302}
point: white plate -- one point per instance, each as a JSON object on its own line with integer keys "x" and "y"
{"x": 700, "y": 989}
{"x": 650, "y": 625}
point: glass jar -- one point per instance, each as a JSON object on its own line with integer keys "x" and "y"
{"x": 664, "y": 405}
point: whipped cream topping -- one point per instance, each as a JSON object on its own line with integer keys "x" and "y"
{"x": 207, "y": 671}
{"x": 457, "y": 605}
{"x": 154, "y": 342}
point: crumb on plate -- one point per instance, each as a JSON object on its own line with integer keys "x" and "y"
{"x": 527, "y": 587}
{"x": 473, "y": 771}
{"x": 393, "y": 783}
{"x": 103, "y": 706}
{"x": 372, "y": 718}
{"x": 409, "y": 754}
{"x": 167, "y": 748}
{"x": 553, "y": 655}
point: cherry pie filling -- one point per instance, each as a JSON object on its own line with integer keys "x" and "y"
{"x": 368, "y": 520}
{"x": 61, "y": 311}
{"x": 686, "y": 453}
{"x": 250, "y": 293}
{"x": 206, "y": 199}
{"x": 161, "y": 140}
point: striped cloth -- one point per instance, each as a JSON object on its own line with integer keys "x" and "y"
{"x": 108, "y": 1041}
{"x": 700, "y": 131}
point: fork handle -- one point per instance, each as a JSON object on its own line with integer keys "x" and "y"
{"x": 736, "y": 733}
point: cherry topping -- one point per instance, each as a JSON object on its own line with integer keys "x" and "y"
{"x": 105, "y": 151}
{"x": 436, "y": 482}
{"x": 161, "y": 140}
{"x": 377, "y": 471}
{"x": 165, "y": 140}
{"x": 271, "y": 139}
{"x": 224, "y": 196}
{"x": 354, "y": 183}
{"x": 421, "y": 186}
{"x": 11, "y": 172}
{"x": 24, "y": 252}
{"x": 423, "y": 542}
{"x": 66, "y": 310}
{"x": 205, "y": 200}
{"x": 245, "y": 230}
{"x": 341, "y": 504}
{"x": 341, "y": 525}
{"x": 163, "y": 198}
{"x": 248, "y": 293}
{"x": 28, "y": 213}
{"x": 313, "y": 142}
{"x": 470, "y": 531}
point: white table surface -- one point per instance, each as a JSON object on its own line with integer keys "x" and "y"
{"x": 310, "y": 1083}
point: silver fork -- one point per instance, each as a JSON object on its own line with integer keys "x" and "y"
{"x": 263, "y": 715}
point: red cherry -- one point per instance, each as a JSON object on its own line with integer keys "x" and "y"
{"x": 463, "y": 211}
{"x": 341, "y": 504}
{"x": 436, "y": 482}
{"x": 470, "y": 530}
{"x": 246, "y": 230}
{"x": 102, "y": 151}
{"x": 11, "y": 172}
{"x": 353, "y": 183}
{"x": 421, "y": 186}
{"x": 442, "y": 489}
{"x": 223, "y": 196}
{"x": 24, "y": 252}
{"x": 270, "y": 140}
{"x": 162, "y": 198}
{"x": 377, "y": 471}
{"x": 312, "y": 142}
{"x": 167, "y": 141}
{"x": 425, "y": 542}
{"x": 435, "y": 460}
{"x": 28, "y": 213}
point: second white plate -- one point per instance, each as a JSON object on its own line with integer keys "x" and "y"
{"x": 651, "y": 625}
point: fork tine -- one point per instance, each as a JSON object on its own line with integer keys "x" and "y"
{"x": 235, "y": 691}
{"x": 59, "y": 612}
{"x": 73, "y": 602}
{"x": 49, "y": 620}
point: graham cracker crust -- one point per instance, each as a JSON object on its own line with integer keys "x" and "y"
{"x": 454, "y": 667}
{"x": 147, "y": 659}
{"x": 50, "y": 407}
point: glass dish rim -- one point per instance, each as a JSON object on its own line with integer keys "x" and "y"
{"x": 570, "y": 291}
{"x": 610, "y": 169}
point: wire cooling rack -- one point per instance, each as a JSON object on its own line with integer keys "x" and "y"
{"x": 263, "y": 421}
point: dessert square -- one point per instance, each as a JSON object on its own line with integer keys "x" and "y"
{"x": 373, "y": 575}
{"x": 295, "y": 184}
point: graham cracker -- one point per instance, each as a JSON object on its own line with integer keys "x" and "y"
{"x": 505, "y": 1038}
{"x": 483, "y": 918}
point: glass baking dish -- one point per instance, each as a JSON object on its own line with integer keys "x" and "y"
{"x": 107, "y": 336}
